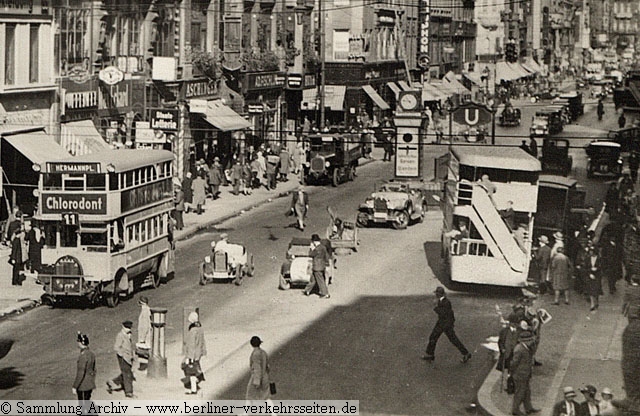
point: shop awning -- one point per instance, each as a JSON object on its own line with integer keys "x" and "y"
{"x": 457, "y": 86}
{"x": 429, "y": 96}
{"x": 444, "y": 88}
{"x": 394, "y": 87}
{"x": 405, "y": 86}
{"x": 474, "y": 77}
{"x": 333, "y": 98}
{"x": 532, "y": 66}
{"x": 431, "y": 91}
{"x": 517, "y": 67}
{"x": 505, "y": 72}
{"x": 37, "y": 146}
{"x": 223, "y": 117}
{"x": 375, "y": 97}
{"x": 81, "y": 138}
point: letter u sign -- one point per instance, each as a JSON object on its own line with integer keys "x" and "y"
{"x": 467, "y": 116}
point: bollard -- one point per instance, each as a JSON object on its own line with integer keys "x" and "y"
{"x": 157, "y": 367}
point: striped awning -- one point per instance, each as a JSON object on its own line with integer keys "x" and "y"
{"x": 81, "y": 138}
{"x": 333, "y": 98}
{"x": 223, "y": 117}
{"x": 405, "y": 86}
{"x": 394, "y": 87}
{"x": 375, "y": 97}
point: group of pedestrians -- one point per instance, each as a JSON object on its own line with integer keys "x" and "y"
{"x": 26, "y": 241}
{"x": 591, "y": 406}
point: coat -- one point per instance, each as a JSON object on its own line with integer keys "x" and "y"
{"x": 215, "y": 175}
{"x": 521, "y": 363}
{"x": 560, "y": 272}
{"x": 16, "y": 252}
{"x": 123, "y": 347}
{"x": 199, "y": 191}
{"x": 561, "y": 408}
{"x": 543, "y": 258}
{"x": 35, "y": 246}
{"x": 593, "y": 275}
{"x": 144, "y": 325}
{"x": 284, "y": 162}
{"x": 194, "y": 343}
{"x": 179, "y": 200}
{"x": 258, "y": 386}
{"x": 236, "y": 172}
{"x": 446, "y": 317}
{"x": 188, "y": 191}
{"x": 300, "y": 206}
{"x": 85, "y": 371}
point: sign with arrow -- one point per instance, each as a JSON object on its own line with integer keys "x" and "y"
{"x": 407, "y": 153}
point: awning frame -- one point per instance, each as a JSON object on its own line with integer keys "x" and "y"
{"x": 375, "y": 97}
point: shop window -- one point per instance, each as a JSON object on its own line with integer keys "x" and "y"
{"x": 71, "y": 38}
{"x": 10, "y": 54}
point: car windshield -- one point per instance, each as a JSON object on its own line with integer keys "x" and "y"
{"x": 604, "y": 151}
{"x": 540, "y": 121}
{"x": 393, "y": 188}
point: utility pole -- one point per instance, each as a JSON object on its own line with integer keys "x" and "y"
{"x": 321, "y": 33}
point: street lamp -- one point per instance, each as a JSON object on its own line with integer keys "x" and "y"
{"x": 493, "y": 104}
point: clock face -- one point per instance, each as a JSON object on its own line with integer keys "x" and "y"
{"x": 409, "y": 102}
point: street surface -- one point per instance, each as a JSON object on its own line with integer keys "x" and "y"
{"x": 364, "y": 343}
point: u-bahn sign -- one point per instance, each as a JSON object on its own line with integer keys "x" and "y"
{"x": 472, "y": 114}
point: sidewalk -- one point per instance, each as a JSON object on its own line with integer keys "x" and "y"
{"x": 578, "y": 347}
{"x": 16, "y": 299}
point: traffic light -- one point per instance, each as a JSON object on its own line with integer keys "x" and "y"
{"x": 510, "y": 52}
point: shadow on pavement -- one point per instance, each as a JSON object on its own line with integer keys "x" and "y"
{"x": 371, "y": 351}
{"x": 10, "y": 378}
{"x": 5, "y": 347}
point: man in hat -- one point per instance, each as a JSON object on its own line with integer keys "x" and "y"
{"x": 259, "y": 386}
{"x": 124, "y": 352}
{"x": 568, "y": 406}
{"x": 591, "y": 406}
{"x": 144, "y": 331}
{"x": 560, "y": 272}
{"x": 85, "y": 381}
{"x": 521, "y": 369}
{"x": 320, "y": 260}
{"x": 179, "y": 206}
{"x": 188, "y": 192}
{"x": 215, "y": 177}
{"x": 543, "y": 258}
{"x": 300, "y": 206}
{"x": 606, "y": 406}
{"x": 444, "y": 325}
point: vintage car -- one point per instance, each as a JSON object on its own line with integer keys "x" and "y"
{"x": 510, "y": 117}
{"x": 574, "y": 101}
{"x": 603, "y": 157}
{"x": 546, "y": 122}
{"x": 549, "y": 94}
{"x": 555, "y": 156}
{"x": 227, "y": 266}
{"x": 341, "y": 233}
{"x": 397, "y": 202}
{"x": 628, "y": 138}
{"x": 598, "y": 91}
{"x": 297, "y": 268}
{"x": 333, "y": 157}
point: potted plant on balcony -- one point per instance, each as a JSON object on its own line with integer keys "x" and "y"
{"x": 209, "y": 64}
{"x": 259, "y": 61}
{"x": 311, "y": 59}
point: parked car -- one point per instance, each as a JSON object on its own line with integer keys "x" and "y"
{"x": 598, "y": 91}
{"x": 576, "y": 106}
{"x": 397, "y": 202}
{"x": 546, "y": 122}
{"x": 555, "y": 156}
{"x": 628, "y": 138}
{"x": 604, "y": 158}
{"x": 296, "y": 269}
{"x": 509, "y": 117}
{"x": 545, "y": 95}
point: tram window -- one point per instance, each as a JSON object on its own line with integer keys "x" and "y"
{"x": 143, "y": 231}
{"x": 113, "y": 181}
{"x": 50, "y": 232}
{"x": 467, "y": 172}
{"x": 68, "y": 235}
{"x": 495, "y": 175}
{"x": 522, "y": 176}
{"x": 129, "y": 179}
{"x": 482, "y": 250}
{"x": 96, "y": 182}
{"x": 74, "y": 183}
{"x": 97, "y": 238}
{"x": 52, "y": 181}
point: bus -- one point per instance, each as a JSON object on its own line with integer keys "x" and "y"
{"x": 106, "y": 223}
{"x": 478, "y": 244}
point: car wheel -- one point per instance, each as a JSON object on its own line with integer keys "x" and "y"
{"x": 335, "y": 178}
{"x": 362, "y": 221}
{"x": 424, "y": 212}
{"x": 402, "y": 222}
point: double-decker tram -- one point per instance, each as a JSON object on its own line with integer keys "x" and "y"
{"x": 106, "y": 221}
{"x": 489, "y": 206}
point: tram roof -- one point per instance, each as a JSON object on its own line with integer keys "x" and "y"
{"x": 510, "y": 158}
{"x": 556, "y": 181}
{"x": 122, "y": 159}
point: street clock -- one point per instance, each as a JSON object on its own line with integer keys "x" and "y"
{"x": 410, "y": 100}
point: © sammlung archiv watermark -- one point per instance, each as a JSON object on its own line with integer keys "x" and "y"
{"x": 179, "y": 407}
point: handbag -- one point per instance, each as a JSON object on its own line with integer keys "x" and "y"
{"x": 272, "y": 388}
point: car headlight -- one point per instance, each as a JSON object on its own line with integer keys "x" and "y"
{"x": 327, "y": 164}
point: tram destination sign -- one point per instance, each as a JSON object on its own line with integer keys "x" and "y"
{"x": 59, "y": 203}
{"x": 73, "y": 167}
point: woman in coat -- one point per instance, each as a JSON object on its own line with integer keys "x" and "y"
{"x": 194, "y": 349}
{"x": 199, "y": 187}
{"x": 187, "y": 182}
{"x": 560, "y": 273}
{"x": 258, "y": 386}
{"x": 16, "y": 257}
{"x": 592, "y": 267}
{"x": 35, "y": 240}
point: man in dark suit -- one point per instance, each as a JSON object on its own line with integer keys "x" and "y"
{"x": 85, "y": 381}
{"x": 568, "y": 407}
{"x": 591, "y": 405}
{"x": 16, "y": 257}
{"x": 543, "y": 259}
{"x": 520, "y": 369}
{"x": 320, "y": 260}
{"x": 444, "y": 325}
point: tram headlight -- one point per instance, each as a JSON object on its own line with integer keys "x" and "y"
{"x": 36, "y": 193}
{"x": 36, "y": 167}
{"x": 111, "y": 168}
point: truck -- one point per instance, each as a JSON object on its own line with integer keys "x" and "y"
{"x": 333, "y": 158}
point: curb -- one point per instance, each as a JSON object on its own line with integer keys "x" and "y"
{"x": 20, "y": 307}
{"x": 484, "y": 393}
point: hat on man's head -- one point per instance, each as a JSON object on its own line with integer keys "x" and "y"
{"x": 439, "y": 291}
{"x": 558, "y": 235}
{"x": 607, "y": 390}
{"x": 315, "y": 237}
{"x": 224, "y": 236}
{"x": 83, "y": 339}
{"x": 216, "y": 159}
{"x": 589, "y": 389}
{"x": 543, "y": 239}
{"x": 127, "y": 324}
{"x": 143, "y": 300}
{"x": 193, "y": 317}
{"x": 255, "y": 341}
{"x": 569, "y": 391}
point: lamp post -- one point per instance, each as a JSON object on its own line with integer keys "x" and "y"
{"x": 157, "y": 367}
{"x": 492, "y": 103}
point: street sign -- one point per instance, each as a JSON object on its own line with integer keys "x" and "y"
{"x": 472, "y": 114}
{"x": 407, "y": 153}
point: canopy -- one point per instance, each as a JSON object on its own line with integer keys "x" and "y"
{"x": 394, "y": 87}
{"x": 505, "y": 72}
{"x": 333, "y": 98}
{"x": 81, "y": 137}
{"x": 474, "y": 77}
{"x": 445, "y": 87}
{"x": 511, "y": 158}
{"x": 405, "y": 86}
{"x": 375, "y": 97}
{"x": 518, "y": 68}
{"x": 457, "y": 86}
{"x": 223, "y": 117}
{"x": 532, "y": 66}
{"x": 37, "y": 146}
{"x": 432, "y": 91}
